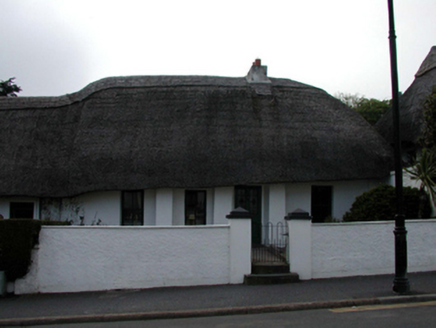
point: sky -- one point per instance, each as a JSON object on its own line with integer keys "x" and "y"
{"x": 57, "y": 47}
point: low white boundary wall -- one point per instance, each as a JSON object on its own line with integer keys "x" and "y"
{"x": 352, "y": 249}
{"x": 74, "y": 259}
{"x": 361, "y": 248}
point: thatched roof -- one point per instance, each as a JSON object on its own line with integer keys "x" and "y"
{"x": 411, "y": 105}
{"x": 144, "y": 132}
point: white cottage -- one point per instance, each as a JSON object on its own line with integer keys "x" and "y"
{"x": 185, "y": 150}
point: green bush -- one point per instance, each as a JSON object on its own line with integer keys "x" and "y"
{"x": 379, "y": 204}
{"x": 17, "y": 238}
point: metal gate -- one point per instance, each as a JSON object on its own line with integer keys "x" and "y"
{"x": 274, "y": 244}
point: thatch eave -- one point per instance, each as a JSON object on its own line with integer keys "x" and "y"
{"x": 183, "y": 132}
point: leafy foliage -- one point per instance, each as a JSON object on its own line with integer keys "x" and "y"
{"x": 17, "y": 238}
{"x": 379, "y": 204}
{"x": 424, "y": 170}
{"x": 370, "y": 109}
{"x": 9, "y": 88}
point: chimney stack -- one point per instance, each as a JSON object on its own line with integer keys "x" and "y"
{"x": 257, "y": 73}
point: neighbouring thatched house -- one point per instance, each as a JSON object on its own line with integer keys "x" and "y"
{"x": 411, "y": 107}
{"x": 175, "y": 150}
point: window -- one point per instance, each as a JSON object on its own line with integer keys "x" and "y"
{"x": 21, "y": 210}
{"x": 132, "y": 208}
{"x": 195, "y": 207}
{"x": 321, "y": 203}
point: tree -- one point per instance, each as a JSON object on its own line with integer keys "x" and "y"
{"x": 9, "y": 88}
{"x": 370, "y": 109}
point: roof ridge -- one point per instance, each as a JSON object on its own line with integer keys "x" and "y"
{"x": 134, "y": 81}
{"x": 428, "y": 64}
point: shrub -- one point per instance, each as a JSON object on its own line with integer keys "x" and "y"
{"x": 17, "y": 238}
{"x": 380, "y": 204}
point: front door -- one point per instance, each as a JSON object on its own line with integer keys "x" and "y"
{"x": 250, "y": 198}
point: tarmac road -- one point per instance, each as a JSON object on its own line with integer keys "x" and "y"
{"x": 399, "y": 315}
{"x": 201, "y": 301}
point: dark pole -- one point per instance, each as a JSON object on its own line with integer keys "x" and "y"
{"x": 401, "y": 282}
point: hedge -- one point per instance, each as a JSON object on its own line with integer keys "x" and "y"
{"x": 17, "y": 239}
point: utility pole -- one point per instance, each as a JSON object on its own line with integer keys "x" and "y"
{"x": 401, "y": 282}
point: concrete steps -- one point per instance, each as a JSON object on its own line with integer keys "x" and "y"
{"x": 271, "y": 279}
{"x": 269, "y": 268}
{"x": 269, "y": 274}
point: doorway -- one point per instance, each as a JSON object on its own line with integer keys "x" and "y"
{"x": 250, "y": 198}
{"x": 321, "y": 203}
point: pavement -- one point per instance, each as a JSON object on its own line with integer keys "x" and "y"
{"x": 183, "y": 302}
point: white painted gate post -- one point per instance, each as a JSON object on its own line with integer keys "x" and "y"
{"x": 240, "y": 244}
{"x": 300, "y": 243}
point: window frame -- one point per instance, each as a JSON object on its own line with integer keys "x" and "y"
{"x": 188, "y": 211}
{"x": 133, "y": 210}
{"x": 15, "y": 206}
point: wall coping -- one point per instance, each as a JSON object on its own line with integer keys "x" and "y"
{"x": 372, "y": 223}
{"x": 215, "y": 226}
{"x": 239, "y": 213}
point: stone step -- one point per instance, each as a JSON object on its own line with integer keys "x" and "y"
{"x": 269, "y": 268}
{"x": 271, "y": 279}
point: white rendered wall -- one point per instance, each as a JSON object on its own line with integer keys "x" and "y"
{"x": 240, "y": 249}
{"x": 223, "y": 204}
{"x": 277, "y": 203}
{"x": 300, "y": 247}
{"x": 210, "y": 206}
{"x": 407, "y": 181}
{"x": 351, "y": 249}
{"x": 150, "y": 207}
{"x": 265, "y": 203}
{"x": 298, "y": 195}
{"x": 345, "y": 193}
{"x": 421, "y": 243}
{"x": 164, "y": 207}
{"x": 74, "y": 259}
{"x": 179, "y": 207}
{"x": 104, "y": 206}
{"x": 368, "y": 248}
{"x": 5, "y": 205}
